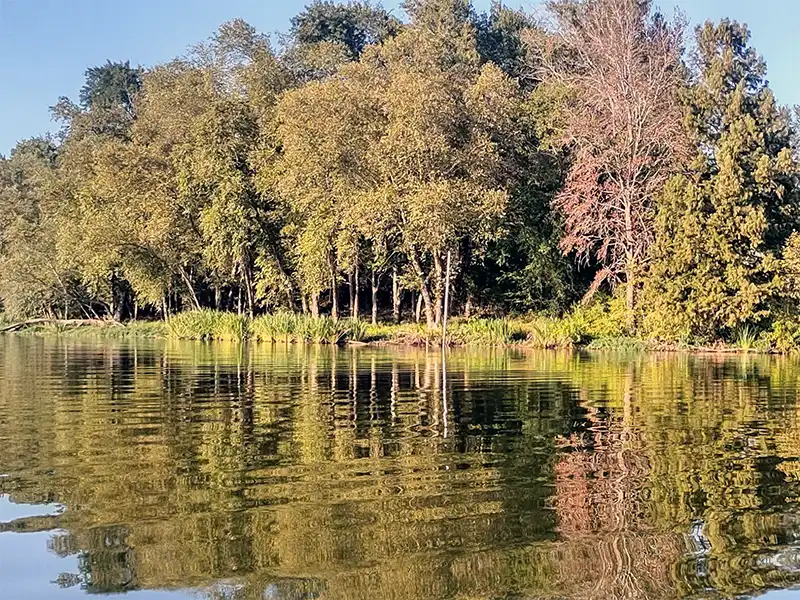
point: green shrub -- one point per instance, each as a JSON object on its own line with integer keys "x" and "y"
{"x": 783, "y": 335}
{"x": 745, "y": 337}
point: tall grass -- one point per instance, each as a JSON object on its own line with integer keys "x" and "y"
{"x": 209, "y": 325}
{"x": 746, "y": 337}
{"x": 278, "y": 327}
{"x": 489, "y": 332}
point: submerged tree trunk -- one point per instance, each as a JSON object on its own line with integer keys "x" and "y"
{"x": 395, "y": 297}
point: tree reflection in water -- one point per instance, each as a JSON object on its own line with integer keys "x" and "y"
{"x": 317, "y": 472}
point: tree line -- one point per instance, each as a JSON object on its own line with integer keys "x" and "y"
{"x": 597, "y": 153}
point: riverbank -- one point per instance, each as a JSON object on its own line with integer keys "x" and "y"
{"x": 592, "y": 328}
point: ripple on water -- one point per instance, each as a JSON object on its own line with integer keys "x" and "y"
{"x": 239, "y": 472}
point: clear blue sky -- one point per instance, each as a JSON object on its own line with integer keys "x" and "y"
{"x": 46, "y": 45}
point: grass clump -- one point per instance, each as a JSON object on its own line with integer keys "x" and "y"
{"x": 490, "y": 332}
{"x": 273, "y": 328}
{"x": 209, "y": 325}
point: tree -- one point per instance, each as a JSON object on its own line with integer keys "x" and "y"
{"x": 34, "y": 278}
{"x": 620, "y": 65}
{"x": 354, "y": 25}
{"x": 328, "y": 35}
{"x": 111, "y": 85}
{"x": 723, "y": 223}
{"x": 326, "y": 129}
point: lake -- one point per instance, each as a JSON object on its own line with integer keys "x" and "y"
{"x": 169, "y": 471}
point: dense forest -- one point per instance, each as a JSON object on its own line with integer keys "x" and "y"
{"x": 595, "y": 154}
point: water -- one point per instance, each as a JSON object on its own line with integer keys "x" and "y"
{"x": 173, "y": 471}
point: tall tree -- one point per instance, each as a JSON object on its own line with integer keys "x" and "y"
{"x": 620, "y": 64}
{"x": 722, "y": 225}
{"x": 353, "y": 25}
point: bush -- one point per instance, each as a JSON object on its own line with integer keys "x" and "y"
{"x": 783, "y": 335}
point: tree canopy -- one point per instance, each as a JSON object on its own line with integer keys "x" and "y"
{"x": 341, "y": 164}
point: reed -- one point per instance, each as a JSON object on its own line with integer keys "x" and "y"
{"x": 208, "y": 324}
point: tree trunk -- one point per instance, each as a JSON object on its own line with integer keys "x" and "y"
{"x": 374, "y": 282}
{"x": 355, "y": 294}
{"x": 630, "y": 296}
{"x": 315, "y": 304}
{"x": 334, "y": 290}
{"x": 446, "y": 301}
{"x": 187, "y": 280}
{"x": 352, "y": 293}
{"x": 418, "y": 309}
{"x": 424, "y": 291}
{"x": 437, "y": 265}
{"x": 304, "y": 304}
{"x": 217, "y": 297}
{"x": 395, "y": 297}
{"x": 248, "y": 279}
{"x": 468, "y": 306}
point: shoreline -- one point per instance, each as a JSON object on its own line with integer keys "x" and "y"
{"x": 397, "y": 336}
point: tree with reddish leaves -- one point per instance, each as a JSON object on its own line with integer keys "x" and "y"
{"x": 619, "y": 64}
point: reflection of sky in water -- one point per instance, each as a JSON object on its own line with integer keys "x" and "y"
{"x": 9, "y": 511}
{"x": 781, "y": 595}
{"x": 28, "y": 570}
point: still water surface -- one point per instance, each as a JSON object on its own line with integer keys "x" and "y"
{"x": 209, "y": 471}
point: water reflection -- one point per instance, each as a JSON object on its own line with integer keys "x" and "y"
{"x": 312, "y": 472}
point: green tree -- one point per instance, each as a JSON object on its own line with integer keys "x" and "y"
{"x": 722, "y": 224}
{"x": 354, "y": 25}
{"x": 34, "y": 278}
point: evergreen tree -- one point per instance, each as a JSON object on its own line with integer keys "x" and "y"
{"x": 721, "y": 225}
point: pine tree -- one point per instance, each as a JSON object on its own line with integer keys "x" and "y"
{"x": 721, "y": 225}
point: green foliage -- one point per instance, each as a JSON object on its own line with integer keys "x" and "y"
{"x": 721, "y": 227}
{"x": 489, "y": 332}
{"x": 110, "y": 86}
{"x": 209, "y": 325}
{"x": 288, "y": 327}
{"x": 783, "y": 334}
{"x": 745, "y": 337}
{"x": 365, "y": 152}
{"x": 354, "y": 25}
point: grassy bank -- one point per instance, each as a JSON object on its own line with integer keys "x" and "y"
{"x": 598, "y": 327}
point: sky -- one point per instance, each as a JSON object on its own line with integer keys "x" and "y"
{"x": 47, "y": 45}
